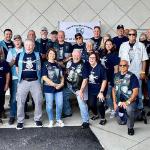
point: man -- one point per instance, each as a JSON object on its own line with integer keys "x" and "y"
{"x": 120, "y": 38}
{"x": 97, "y": 37}
{"x": 32, "y": 36}
{"x": 63, "y": 48}
{"x": 124, "y": 93}
{"x": 44, "y": 42}
{"x": 7, "y": 42}
{"x": 28, "y": 66}
{"x": 76, "y": 78}
{"x": 135, "y": 53}
{"x": 54, "y": 36}
{"x": 11, "y": 57}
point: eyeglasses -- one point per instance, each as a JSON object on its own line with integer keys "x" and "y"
{"x": 78, "y": 38}
{"x": 132, "y": 34}
{"x": 92, "y": 57}
{"x": 122, "y": 65}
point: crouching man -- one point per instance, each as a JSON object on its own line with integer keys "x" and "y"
{"x": 28, "y": 66}
{"x": 125, "y": 92}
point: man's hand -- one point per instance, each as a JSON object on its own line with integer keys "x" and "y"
{"x": 100, "y": 96}
{"x": 123, "y": 104}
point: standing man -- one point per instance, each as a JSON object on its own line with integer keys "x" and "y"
{"x": 120, "y": 38}
{"x": 97, "y": 38}
{"x": 7, "y": 42}
{"x": 28, "y": 66}
{"x": 124, "y": 93}
{"x": 135, "y": 53}
{"x": 43, "y": 42}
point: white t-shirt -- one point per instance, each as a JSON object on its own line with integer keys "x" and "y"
{"x": 134, "y": 56}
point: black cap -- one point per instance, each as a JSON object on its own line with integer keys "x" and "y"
{"x": 120, "y": 26}
{"x": 78, "y": 34}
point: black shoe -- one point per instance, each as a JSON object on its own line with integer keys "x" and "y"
{"x": 85, "y": 125}
{"x": 94, "y": 117}
{"x": 26, "y": 116}
{"x": 130, "y": 131}
{"x": 65, "y": 116}
{"x": 11, "y": 120}
{"x": 1, "y": 122}
{"x": 19, "y": 126}
{"x": 38, "y": 124}
{"x": 103, "y": 121}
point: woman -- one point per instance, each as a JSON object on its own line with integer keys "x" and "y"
{"x": 53, "y": 84}
{"x": 96, "y": 87}
{"x": 110, "y": 60}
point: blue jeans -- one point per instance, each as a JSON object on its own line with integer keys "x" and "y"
{"x": 13, "y": 102}
{"x": 66, "y": 101}
{"x": 109, "y": 101}
{"x": 139, "y": 104}
{"x": 82, "y": 104}
{"x": 148, "y": 87}
{"x": 58, "y": 96}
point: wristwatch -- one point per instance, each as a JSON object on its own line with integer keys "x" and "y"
{"x": 101, "y": 91}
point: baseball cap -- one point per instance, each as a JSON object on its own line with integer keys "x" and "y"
{"x": 44, "y": 29}
{"x": 120, "y": 26}
{"x": 78, "y": 34}
{"x": 17, "y": 37}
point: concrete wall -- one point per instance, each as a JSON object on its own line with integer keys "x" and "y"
{"x": 22, "y": 15}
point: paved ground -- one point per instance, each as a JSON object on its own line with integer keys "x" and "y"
{"x": 112, "y": 136}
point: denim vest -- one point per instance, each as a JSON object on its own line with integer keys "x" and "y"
{"x": 13, "y": 68}
{"x": 122, "y": 86}
{"x": 38, "y": 65}
{"x": 3, "y": 44}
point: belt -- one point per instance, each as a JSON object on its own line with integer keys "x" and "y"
{"x": 30, "y": 79}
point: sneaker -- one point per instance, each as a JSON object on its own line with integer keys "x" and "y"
{"x": 51, "y": 124}
{"x": 19, "y": 126}
{"x": 60, "y": 123}
{"x": 11, "y": 120}
{"x": 1, "y": 122}
{"x": 94, "y": 117}
{"x": 130, "y": 131}
{"x": 103, "y": 121}
{"x": 85, "y": 125}
{"x": 112, "y": 114}
{"x": 38, "y": 124}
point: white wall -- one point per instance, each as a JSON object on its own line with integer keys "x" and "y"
{"x": 22, "y": 15}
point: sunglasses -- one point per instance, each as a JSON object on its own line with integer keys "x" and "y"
{"x": 122, "y": 65}
{"x": 132, "y": 34}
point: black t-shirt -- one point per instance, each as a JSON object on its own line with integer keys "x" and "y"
{"x": 76, "y": 72}
{"x": 4, "y": 69}
{"x": 109, "y": 61}
{"x": 96, "y": 77}
{"x": 29, "y": 66}
{"x": 9, "y": 46}
{"x": 43, "y": 45}
{"x": 54, "y": 72}
{"x": 97, "y": 43}
{"x": 63, "y": 50}
{"x": 118, "y": 41}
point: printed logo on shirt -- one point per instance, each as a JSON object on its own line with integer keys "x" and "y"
{"x": 92, "y": 77}
{"x": 53, "y": 73}
{"x": 29, "y": 64}
{"x": 1, "y": 68}
{"x": 103, "y": 61}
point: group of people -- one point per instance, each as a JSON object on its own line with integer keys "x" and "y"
{"x": 102, "y": 73}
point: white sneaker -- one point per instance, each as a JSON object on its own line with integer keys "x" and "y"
{"x": 60, "y": 123}
{"x": 51, "y": 124}
{"x": 112, "y": 114}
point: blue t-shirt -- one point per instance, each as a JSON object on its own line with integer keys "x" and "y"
{"x": 118, "y": 41}
{"x": 4, "y": 69}
{"x": 76, "y": 72}
{"x": 109, "y": 61}
{"x": 29, "y": 66}
{"x": 54, "y": 72}
{"x": 96, "y": 77}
